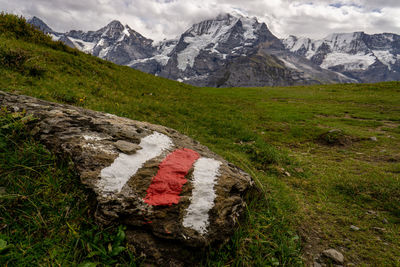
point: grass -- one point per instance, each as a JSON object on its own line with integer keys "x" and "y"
{"x": 312, "y": 191}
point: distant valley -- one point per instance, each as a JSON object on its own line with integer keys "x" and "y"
{"x": 232, "y": 50}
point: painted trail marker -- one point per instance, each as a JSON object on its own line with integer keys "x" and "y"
{"x": 203, "y": 194}
{"x": 114, "y": 177}
{"x": 167, "y": 185}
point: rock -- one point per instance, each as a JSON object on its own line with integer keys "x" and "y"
{"x": 334, "y": 255}
{"x": 379, "y": 229}
{"x": 127, "y": 147}
{"x": 317, "y": 264}
{"x": 371, "y": 212}
{"x": 299, "y": 170}
{"x": 354, "y": 228}
{"x": 174, "y": 195}
{"x": 335, "y": 137}
{"x": 373, "y": 138}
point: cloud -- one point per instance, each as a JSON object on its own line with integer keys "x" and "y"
{"x": 158, "y": 19}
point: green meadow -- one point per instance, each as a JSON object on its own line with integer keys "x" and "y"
{"x": 324, "y": 157}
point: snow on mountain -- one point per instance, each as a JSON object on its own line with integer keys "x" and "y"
{"x": 386, "y": 57}
{"x": 86, "y": 47}
{"x": 161, "y": 53}
{"x": 359, "y": 61}
{"x": 352, "y": 53}
{"x": 211, "y": 35}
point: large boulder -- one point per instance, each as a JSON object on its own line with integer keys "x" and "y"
{"x": 175, "y": 196}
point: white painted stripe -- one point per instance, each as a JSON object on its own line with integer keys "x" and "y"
{"x": 206, "y": 172}
{"x": 114, "y": 177}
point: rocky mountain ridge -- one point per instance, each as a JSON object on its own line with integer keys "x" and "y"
{"x": 364, "y": 57}
{"x": 235, "y": 50}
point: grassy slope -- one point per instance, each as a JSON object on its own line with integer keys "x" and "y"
{"x": 270, "y": 132}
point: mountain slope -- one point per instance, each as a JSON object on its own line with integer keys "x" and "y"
{"x": 367, "y": 58}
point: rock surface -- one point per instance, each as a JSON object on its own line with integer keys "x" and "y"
{"x": 354, "y": 228}
{"x": 334, "y": 255}
{"x": 174, "y": 195}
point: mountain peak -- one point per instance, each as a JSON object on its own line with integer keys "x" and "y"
{"x": 235, "y": 15}
{"x": 224, "y": 16}
{"x": 115, "y": 24}
{"x": 39, "y": 24}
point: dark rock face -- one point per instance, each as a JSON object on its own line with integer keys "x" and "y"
{"x": 174, "y": 195}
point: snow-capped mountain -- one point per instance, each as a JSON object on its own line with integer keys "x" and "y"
{"x": 367, "y": 58}
{"x": 206, "y": 47}
{"x": 229, "y": 50}
{"x": 114, "y": 42}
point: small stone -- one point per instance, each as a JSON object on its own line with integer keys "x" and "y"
{"x": 354, "y": 228}
{"x": 373, "y": 138}
{"x": 35, "y": 130}
{"x": 288, "y": 174}
{"x": 299, "y": 170}
{"x": 15, "y": 109}
{"x": 334, "y": 255}
{"x": 385, "y": 221}
{"x": 371, "y": 212}
{"x": 127, "y": 147}
{"x": 379, "y": 229}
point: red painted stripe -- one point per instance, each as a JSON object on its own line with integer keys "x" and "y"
{"x": 166, "y": 186}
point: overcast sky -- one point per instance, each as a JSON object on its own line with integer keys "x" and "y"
{"x": 159, "y": 19}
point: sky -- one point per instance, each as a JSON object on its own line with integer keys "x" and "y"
{"x": 160, "y": 19}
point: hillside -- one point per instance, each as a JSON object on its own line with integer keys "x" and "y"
{"x": 325, "y": 157}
